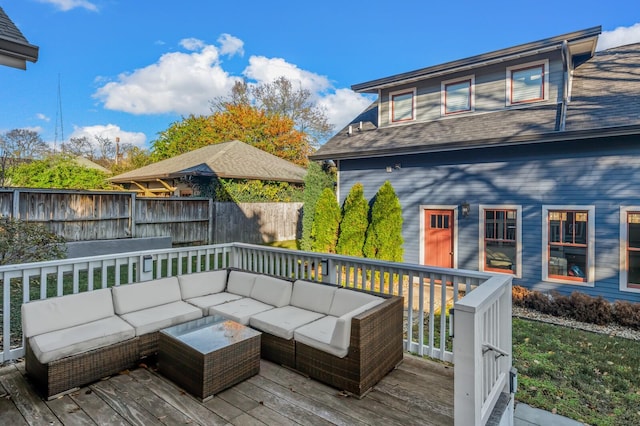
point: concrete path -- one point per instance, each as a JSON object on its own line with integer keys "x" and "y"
{"x": 526, "y": 415}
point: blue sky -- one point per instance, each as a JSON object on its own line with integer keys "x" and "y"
{"x": 130, "y": 68}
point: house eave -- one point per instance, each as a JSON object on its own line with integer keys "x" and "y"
{"x": 565, "y": 136}
{"x": 515, "y": 52}
{"x": 16, "y": 55}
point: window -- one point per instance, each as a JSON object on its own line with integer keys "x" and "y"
{"x": 568, "y": 240}
{"x": 402, "y": 106}
{"x": 528, "y": 83}
{"x": 500, "y": 235}
{"x": 457, "y": 95}
{"x": 630, "y": 249}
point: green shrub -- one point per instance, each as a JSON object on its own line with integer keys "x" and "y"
{"x": 25, "y": 242}
{"x": 324, "y": 232}
{"x": 384, "y": 234}
{"x": 315, "y": 182}
{"x": 355, "y": 220}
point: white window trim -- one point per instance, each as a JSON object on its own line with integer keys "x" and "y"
{"x": 414, "y": 92}
{"x": 624, "y": 245}
{"x": 455, "y": 209}
{"x": 518, "y": 209}
{"x": 591, "y": 231}
{"x": 443, "y": 95}
{"x": 510, "y": 69}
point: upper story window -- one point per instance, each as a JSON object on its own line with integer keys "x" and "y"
{"x": 402, "y": 105}
{"x": 457, "y": 95}
{"x": 528, "y": 83}
{"x": 568, "y": 236}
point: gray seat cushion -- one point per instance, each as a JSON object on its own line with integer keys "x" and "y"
{"x": 240, "y": 310}
{"x": 153, "y": 319}
{"x": 75, "y": 340}
{"x": 205, "y": 302}
{"x": 282, "y": 322}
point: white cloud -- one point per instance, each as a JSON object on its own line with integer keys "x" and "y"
{"x": 41, "y": 116}
{"x": 619, "y": 37}
{"x": 230, "y": 45}
{"x": 344, "y": 105}
{"x": 185, "y": 82}
{"x": 110, "y": 131}
{"x": 192, "y": 44}
{"x": 265, "y": 70}
{"x": 182, "y": 83}
{"x": 66, "y": 5}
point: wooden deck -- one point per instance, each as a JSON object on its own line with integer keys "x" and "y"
{"x": 418, "y": 392}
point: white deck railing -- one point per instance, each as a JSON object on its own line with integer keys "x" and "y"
{"x": 482, "y": 351}
{"x": 429, "y": 293}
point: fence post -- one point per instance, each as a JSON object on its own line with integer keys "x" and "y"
{"x": 15, "y": 208}
{"x": 467, "y": 386}
{"x": 132, "y": 215}
{"x": 210, "y": 234}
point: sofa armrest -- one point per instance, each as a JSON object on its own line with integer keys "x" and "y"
{"x": 378, "y": 329}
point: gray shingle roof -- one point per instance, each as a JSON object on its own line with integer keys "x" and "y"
{"x": 606, "y": 90}
{"x": 235, "y": 160}
{"x": 15, "y": 50}
{"x": 605, "y": 97}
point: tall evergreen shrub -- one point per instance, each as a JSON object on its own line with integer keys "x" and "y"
{"x": 384, "y": 234}
{"x": 314, "y": 182}
{"x": 324, "y": 232}
{"x": 355, "y": 220}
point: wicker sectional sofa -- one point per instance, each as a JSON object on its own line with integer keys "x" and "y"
{"x": 346, "y": 338}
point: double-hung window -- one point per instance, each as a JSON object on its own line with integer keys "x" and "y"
{"x": 630, "y": 249}
{"x": 500, "y": 237}
{"x": 402, "y": 106}
{"x": 569, "y": 244}
{"x": 457, "y": 95}
{"x": 528, "y": 83}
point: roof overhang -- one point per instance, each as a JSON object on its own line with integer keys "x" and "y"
{"x": 16, "y": 55}
{"x": 580, "y": 43}
{"x": 450, "y": 146}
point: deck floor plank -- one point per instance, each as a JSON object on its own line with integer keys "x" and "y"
{"x": 325, "y": 395}
{"x": 178, "y": 398}
{"x": 418, "y": 392}
{"x": 123, "y": 404}
{"x": 97, "y": 408}
{"x": 27, "y": 401}
{"x": 69, "y": 412}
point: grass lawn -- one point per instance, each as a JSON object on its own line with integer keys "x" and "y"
{"x": 589, "y": 377}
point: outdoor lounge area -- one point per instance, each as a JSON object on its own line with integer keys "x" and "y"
{"x": 359, "y": 327}
{"x": 418, "y": 392}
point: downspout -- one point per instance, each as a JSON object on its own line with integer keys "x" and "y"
{"x": 566, "y": 77}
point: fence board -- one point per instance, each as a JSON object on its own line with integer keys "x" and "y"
{"x": 108, "y": 215}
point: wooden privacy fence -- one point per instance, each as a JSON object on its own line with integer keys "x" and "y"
{"x": 107, "y": 215}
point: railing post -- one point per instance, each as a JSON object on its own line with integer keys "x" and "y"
{"x": 467, "y": 357}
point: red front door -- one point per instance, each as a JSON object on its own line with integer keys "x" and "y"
{"x": 438, "y": 238}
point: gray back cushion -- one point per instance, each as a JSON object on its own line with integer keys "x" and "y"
{"x": 202, "y": 283}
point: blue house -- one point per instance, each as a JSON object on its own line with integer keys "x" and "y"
{"x": 522, "y": 161}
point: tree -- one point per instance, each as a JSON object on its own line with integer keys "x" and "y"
{"x": 24, "y": 242}
{"x": 57, "y": 171}
{"x": 281, "y": 98}
{"x": 316, "y": 180}
{"x": 324, "y": 232}
{"x": 79, "y": 147}
{"x": 271, "y": 133}
{"x": 355, "y": 220}
{"x": 384, "y": 234}
{"x": 16, "y": 145}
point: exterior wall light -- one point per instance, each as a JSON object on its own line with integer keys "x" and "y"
{"x": 465, "y": 209}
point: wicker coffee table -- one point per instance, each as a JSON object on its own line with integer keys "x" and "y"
{"x": 208, "y": 355}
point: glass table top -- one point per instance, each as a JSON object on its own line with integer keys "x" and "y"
{"x": 210, "y": 333}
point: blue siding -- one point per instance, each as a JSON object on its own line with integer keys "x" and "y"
{"x": 604, "y": 173}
